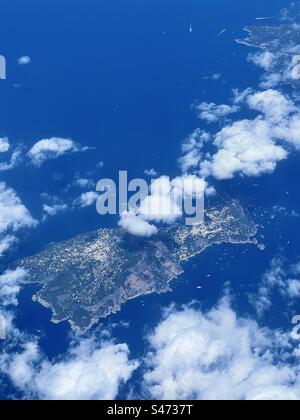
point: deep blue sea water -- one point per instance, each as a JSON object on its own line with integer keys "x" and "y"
{"x": 120, "y": 76}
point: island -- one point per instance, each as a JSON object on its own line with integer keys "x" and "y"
{"x": 91, "y": 276}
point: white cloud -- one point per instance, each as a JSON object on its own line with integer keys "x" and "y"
{"x": 10, "y": 286}
{"x": 273, "y": 104}
{"x": 87, "y": 199}
{"x": 210, "y": 191}
{"x": 192, "y": 150}
{"x": 254, "y": 147}
{"x": 281, "y": 66}
{"x": 293, "y": 289}
{"x": 84, "y": 183}
{"x": 270, "y": 80}
{"x": 245, "y": 147}
{"x": 218, "y": 356}
{"x": 13, "y": 216}
{"x": 93, "y": 368}
{"x": 272, "y": 279}
{"x": 240, "y": 96}
{"x": 53, "y": 210}
{"x": 13, "y": 162}
{"x": 7, "y": 328}
{"x": 11, "y": 282}
{"x": 161, "y": 205}
{"x": 52, "y": 206}
{"x": 265, "y": 60}
{"x": 51, "y": 149}
{"x": 3, "y": 326}
{"x": 6, "y": 242}
{"x": 281, "y": 113}
{"x": 137, "y": 226}
{"x": 23, "y": 61}
{"x": 289, "y": 130}
{"x": 14, "y": 159}
{"x": 90, "y": 371}
{"x": 278, "y": 279}
{"x": 164, "y": 204}
{"x": 4, "y": 145}
{"x": 211, "y": 113}
{"x": 151, "y": 172}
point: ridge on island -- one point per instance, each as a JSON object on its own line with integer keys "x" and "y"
{"x": 89, "y": 277}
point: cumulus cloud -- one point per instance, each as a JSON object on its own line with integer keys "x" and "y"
{"x": 281, "y": 113}
{"x": 93, "y": 368}
{"x": 4, "y": 145}
{"x": 90, "y": 371}
{"x": 6, "y": 242}
{"x": 13, "y": 216}
{"x": 211, "y": 113}
{"x": 270, "y": 80}
{"x": 166, "y": 203}
{"x": 53, "y": 210}
{"x": 265, "y": 60}
{"x": 240, "y": 96}
{"x": 280, "y": 279}
{"x": 53, "y": 205}
{"x": 244, "y": 147}
{"x": 273, "y": 279}
{"x": 11, "y": 282}
{"x": 52, "y": 148}
{"x": 87, "y": 199}
{"x": 192, "y": 150}
{"x": 273, "y": 104}
{"x": 136, "y": 226}
{"x": 23, "y": 61}
{"x": 84, "y": 183}
{"x": 10, "y": 286}
{"x": 7, "y": 328}
{"x": 254, "y": 147}
{"x": 218, "y": 356}
{"x": 293, "y": 289}
{"x": 15, "y": 159}
{"x": 161, "y": 205}
{"x": 81, "y": 182}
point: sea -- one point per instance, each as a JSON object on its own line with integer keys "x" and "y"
{"x": 120, "y": 77}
